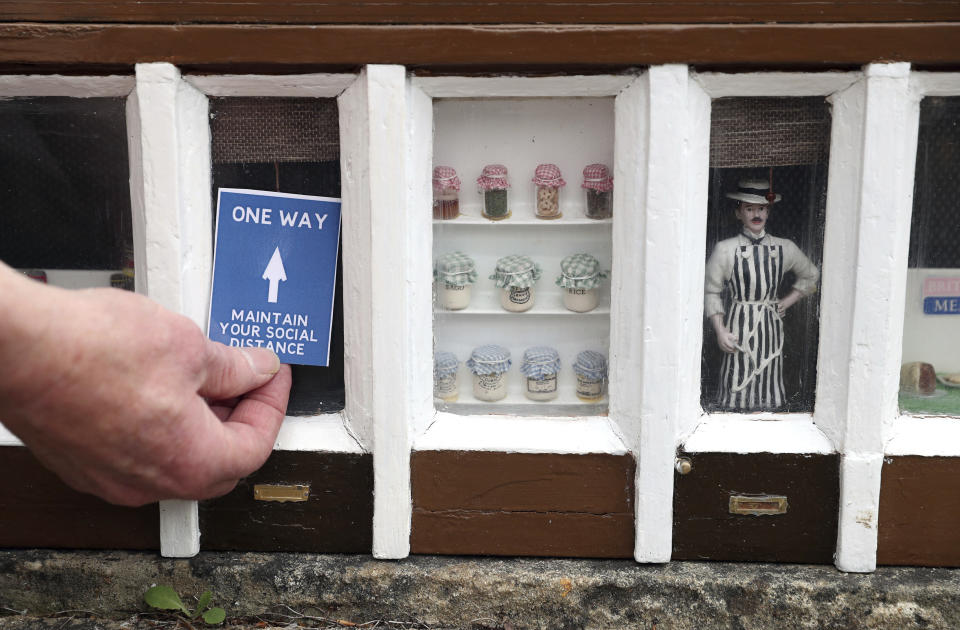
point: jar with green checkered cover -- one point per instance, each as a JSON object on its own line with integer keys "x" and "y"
{"x": 516, "y": 275}
{"x": 446, "y": 386}
{"x": 591, "y": 370}
{"x": 580, "y": 278}
{"x": 454, "y": 274}
{"x": 489, "y": 365}
{"x": 541, "y": 366}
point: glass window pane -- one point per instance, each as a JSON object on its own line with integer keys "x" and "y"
{"x": 930, "y": 374}
{"x": 289, "y": 145}
{"x": 767, "y": 195}
{"x": 521, "y": 254}
{"x": 65, "y": 181}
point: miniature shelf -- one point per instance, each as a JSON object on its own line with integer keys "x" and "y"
{"x": 523, "y": 214}
{"x": 547, "y": 303}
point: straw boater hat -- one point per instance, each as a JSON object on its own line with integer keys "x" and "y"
{"x": 753, "y": 191}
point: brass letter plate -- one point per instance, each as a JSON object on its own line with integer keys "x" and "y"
{"x": 758, "y": 505}
{"x": 282, "y": 494}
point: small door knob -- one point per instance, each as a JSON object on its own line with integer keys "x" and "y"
{"x": 683, "y": 465}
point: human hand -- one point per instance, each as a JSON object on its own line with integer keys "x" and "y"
{"x": 727, "y": 340}
{"x": 131, "y": 402}
{"x": 787, "y": 302}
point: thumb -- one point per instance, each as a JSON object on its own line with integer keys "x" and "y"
{"x": 231, "y": 372}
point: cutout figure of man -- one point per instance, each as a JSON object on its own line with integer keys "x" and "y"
{"x": 751, "y": 267}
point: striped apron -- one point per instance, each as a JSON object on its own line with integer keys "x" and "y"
{"x": 752, "y": 376}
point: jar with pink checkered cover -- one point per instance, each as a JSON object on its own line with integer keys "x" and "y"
{"x": 548, "y": 181}
{"x": 599, "y": 186}
{"x": 446, "y": 193}
{"x": 493, "y": 185}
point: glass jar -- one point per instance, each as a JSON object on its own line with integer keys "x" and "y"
{"x": 591, "y": 370}
{"x": 446, "y": 385}
{"x": 489, "y": 365}
{"x": 548, "y": 181}
{"x": 516, "y": 275}
{"x": 541, "y": 366}
{"x": 454, "y": 275}
{"x": 598, "y": 185}
{"x": 580, "y": 278}
{"x": 493, "y": 185}
{"x": 446, "y": 193}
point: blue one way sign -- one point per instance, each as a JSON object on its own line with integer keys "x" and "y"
{"x": 274, "y": 273}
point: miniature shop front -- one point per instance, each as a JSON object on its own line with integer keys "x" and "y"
{"x": 655, "y": 313}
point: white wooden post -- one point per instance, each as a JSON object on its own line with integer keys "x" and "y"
{"x": 866, "y": 243}
{"x": 661, "y": 194}
{"x": 169, "y": 171}
{"x": 374, "y": 145}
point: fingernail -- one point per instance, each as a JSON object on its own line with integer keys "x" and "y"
{"x": 262, "y": 360}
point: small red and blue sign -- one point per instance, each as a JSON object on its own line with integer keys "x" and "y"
{"x": 941, "y": 296}
{"x": 274, "y": 273}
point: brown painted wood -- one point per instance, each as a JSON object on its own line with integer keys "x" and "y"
{"x": 478, "y": 11}
{"x": 39, "y": 510}
{"x": 919, "y": 511}
{"x": 536, "y": 482}
{"x": 541, "y": 504}
{"x": 704, "y": 529}
{"x": 338, "y": 517}
{"x": 572, "y": 47}
{"x": 556, "y": 534}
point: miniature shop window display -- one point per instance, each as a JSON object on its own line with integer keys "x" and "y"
{"x": 516, "y": 275}
{"x": 598, "y": 187}
{"x": 930, "y": 371}
{"x": 289, "y": 145}
{"x": 454, "y": 275}
{"x": 591, "y": 370}
{"x": 580, "y": 278}
{"x": 548, "y": 181}
{"x": 541, "y": 366}
{"x": 65, "y": 171}
{"x": 767, "y": 196}
{"x": 446, "y": 385}
{"x": 493, "y": 185}
{"x": 489, "y": 365}
{"x": 446, "y": 193}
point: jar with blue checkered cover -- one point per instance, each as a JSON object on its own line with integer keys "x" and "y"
{"x": 446, "y": 385}
{"x": 454, "y": 274}
{"x": 591, "y": 370}
{"x": 541, "y": 366}
{"x": 580, "y": 278}
{"x": 516, "y": 275}
{"x": 489, "y": 365}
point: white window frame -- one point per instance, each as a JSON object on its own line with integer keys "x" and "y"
{"x": 916, "y": 434}
{"x": 24, "y": 86}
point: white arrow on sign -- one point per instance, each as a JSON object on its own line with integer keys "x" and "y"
{"x": 274, "y": 273}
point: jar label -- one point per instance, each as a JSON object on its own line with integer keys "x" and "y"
{"x": 577, "y": 291}
{"x": 545, "y": 385}
{"x": 519, "y": 296}
{"x": 489, "y": 382}
{"x": 445, "y": 385}
{"x": 455, "y": 287}
{"x": 589, "y": 388}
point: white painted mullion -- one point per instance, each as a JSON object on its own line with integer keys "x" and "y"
{"x": 626, "y": 301}
{"x": 418, "y": 267}
{"x": 374, "y": 123}
{"x": 669, "y": 278}
{"x": 170, "y": 153}
{"x": 882, "y": 213}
